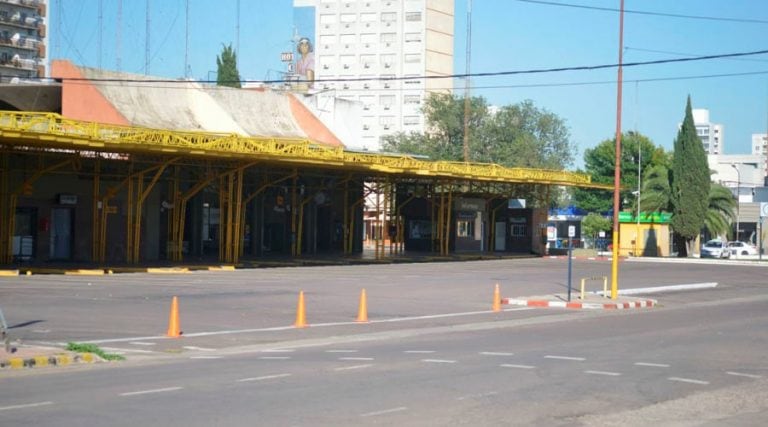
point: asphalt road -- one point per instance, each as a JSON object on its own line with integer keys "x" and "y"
{"x": 697, "y": 359}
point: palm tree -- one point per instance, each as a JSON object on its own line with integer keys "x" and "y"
{"x": 655, "y": 197}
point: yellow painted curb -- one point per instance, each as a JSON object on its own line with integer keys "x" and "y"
{"x": 16, "y": 363}
{"x": 41, "y": 361}
{"x": 87, "y": 357}
{"x": 9, "y": 273}
{"x": 63, "y": 360}
{"x": 222, "y": 268}
{"x": 82, "y": 272}
{"x": 170, "y": 270}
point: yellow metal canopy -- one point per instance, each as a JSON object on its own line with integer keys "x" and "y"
{"x": 49, "y": 130}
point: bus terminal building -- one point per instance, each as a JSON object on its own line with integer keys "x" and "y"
{"x": 100, "y": 171}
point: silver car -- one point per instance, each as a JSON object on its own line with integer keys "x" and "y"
{"x": 715, "y": 249}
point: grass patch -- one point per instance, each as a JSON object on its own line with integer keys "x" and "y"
{"x": 93, "y": 348}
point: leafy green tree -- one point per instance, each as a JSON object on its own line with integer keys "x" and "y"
{"x": 519, "y": 135}
{"x": 690, "y": 185}
{"x": 593, "y": 224}
{"x": 227, "y": 68}
{"x": 600, "y": 163}
{"x": 720, "y": 213}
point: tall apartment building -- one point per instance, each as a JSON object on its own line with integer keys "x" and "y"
{"x": 760, "y": 147}
{"x": 711, "y": 134}
{"x": 23, "y": 39}
{"x": 372, "y": 41}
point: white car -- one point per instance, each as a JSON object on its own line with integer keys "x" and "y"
{"x": 741, "y": 248}
{"x": 715, "y": 249}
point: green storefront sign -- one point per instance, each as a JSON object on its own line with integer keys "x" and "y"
{"x": 646, "y": 217}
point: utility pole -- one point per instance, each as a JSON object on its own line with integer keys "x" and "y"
{"x": 186, "y": 41}
{"x": 617, "y": 172}
{"x": 467, "y": 82}
{"x": 101, "y": 32}
{"x": 147, "y": 44}
{"x": 119, "y": 37}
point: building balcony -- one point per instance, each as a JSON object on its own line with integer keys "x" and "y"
{"x": 31, "y": 4}
{"x": 30, "y": 23}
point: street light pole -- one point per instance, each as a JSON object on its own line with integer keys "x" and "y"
{"x": 738, "y": 193}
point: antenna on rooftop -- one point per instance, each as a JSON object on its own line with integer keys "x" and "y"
{"x": 146, "y": 45}
{"x": 119, "y": 37}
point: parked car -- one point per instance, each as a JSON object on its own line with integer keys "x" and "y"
{"x": 741, "y": 248}
{"x": 715, "y": 249}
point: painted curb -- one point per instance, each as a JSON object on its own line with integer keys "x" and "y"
{"x": 580, "y": 305}
{"x": 9, "y": 273}
{"x": 46, "y": 361}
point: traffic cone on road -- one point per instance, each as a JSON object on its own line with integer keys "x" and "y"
{"x": 362, "y": 312}
{"x": 496, "y": 299}
{"x": 174, "y": 328}
{"x": 301, "y": 315}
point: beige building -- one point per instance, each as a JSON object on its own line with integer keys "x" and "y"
{"x": 366, "y": 50}
{"x": 23, "y": 38}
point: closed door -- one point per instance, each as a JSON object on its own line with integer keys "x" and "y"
{"x": 61, "y": 233}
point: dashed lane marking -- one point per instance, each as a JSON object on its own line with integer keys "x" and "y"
{"x": 688, "y": 380}
{"x": 278, "y": 350}
{"x": 509, "y": 365}
{"x": 263, "y": 378}
{"x": 478, "y": 395}
{"x": 193, "y": 348}
{"x": 157, "y": 390}
{"x": 739, "y": 374}
{"x": 419, "y": 351}
{"x": 28, "y": 405}
{"x": 652, "y": 365}
{"x": 341, "y": 351}
{"x": 606, "y": 373}
{"x": 205, "y": 357}
{"x": 495, "y": 353}
{"x": 576, "y": 359}
{"x": 356, "y": 358}
{"x": 142, "y": 343}
{"x": 274, "y": 357}
{"x": 437, "y": 361}
{"x": 384, "y": 412}
{"x": 349, "y": 368}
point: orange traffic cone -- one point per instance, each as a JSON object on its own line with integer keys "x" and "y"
{"x": 362, "y": 312}
{"x": 301, "y": 315}
{"x": 173, "y": 321}
{"x": 496, "y": 299}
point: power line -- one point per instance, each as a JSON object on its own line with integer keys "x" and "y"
{"x": 666, "y": 52}
{"x": 465, "y": 75}
{"x": 643, "y": 12}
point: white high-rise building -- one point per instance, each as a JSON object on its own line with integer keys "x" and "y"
{"x": 760, "y": 147}
{"x": 360, "y": 44}
{"x": 23, "y": 39}
{"x": 711, "y": 134}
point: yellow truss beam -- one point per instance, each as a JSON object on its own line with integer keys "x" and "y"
{"x": 48, "y": 130}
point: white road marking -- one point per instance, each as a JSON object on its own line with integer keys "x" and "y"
{"x": 386, "y": 411}
{"x": 419, "y": 351}
{"x": 265, "y": 377}
{"x": 274, "y": 357}
{"x": 610, "y": 374}
{"x": 477, "y": 395}
{"x": 341, "y": 351}
{"x": 157, "y": 390}
{"x": 193, "y": 348}
{"x": 28, "y": 405}
{"x": 278, "y": 350}
{"x": 670, "y": 288}
{"x": 739, "y": 374}
{"x": 142, "y": 343}
{"x": 688, "y": 380}
{"x": 41, "y": 331}
{"x": 205, "y": 357}
{"x": 291, "y": 327}
{"x": 437, "y": 361}
{"x": 127, "y": 350}
{"x": 653, "y": 365}
{"x": 356, "y": 358}
{"x": 495, "y": 353}
{"x": 507, "y": 365}
{"x": 347, "y": 368}
{"x": 577, "y": 359}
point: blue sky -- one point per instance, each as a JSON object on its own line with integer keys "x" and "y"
{"x": 507, "y": 35}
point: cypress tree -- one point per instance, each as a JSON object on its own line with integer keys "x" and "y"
{"x": 228, "y": 74}
{"x": 690, "y": 184}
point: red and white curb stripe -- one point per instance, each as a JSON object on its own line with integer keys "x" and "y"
{"x": 580, "y": 305}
